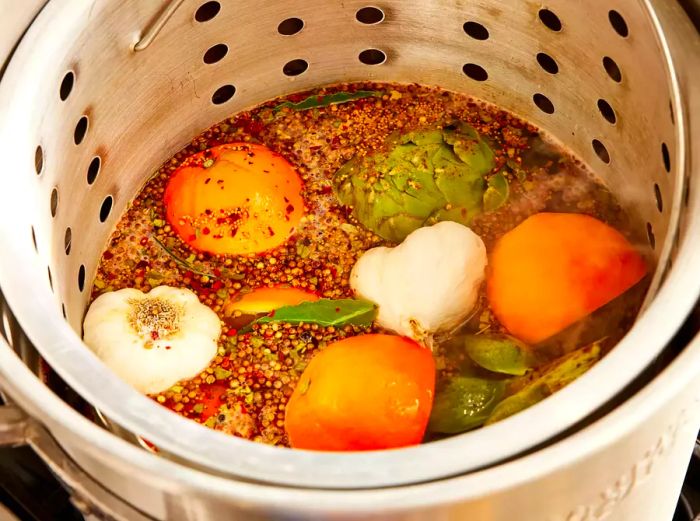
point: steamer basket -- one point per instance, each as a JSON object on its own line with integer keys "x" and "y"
{"x": 99, "y": 94}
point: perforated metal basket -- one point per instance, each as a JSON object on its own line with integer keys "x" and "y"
{"x": 100, "y": 93}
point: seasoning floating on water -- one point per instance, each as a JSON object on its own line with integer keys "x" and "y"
{"x": 245, "y": 389}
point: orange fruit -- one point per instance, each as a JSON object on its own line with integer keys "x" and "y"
{"x": 367, "y": 392}
{"x": 234, "y": 199}
{"x": 553, "y": 269}
{"x": 262, "y": 300}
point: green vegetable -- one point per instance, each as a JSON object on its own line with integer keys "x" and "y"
{"x": 464, "y": 403}
{"x": 549, "y": 380}
{"x": 420, "y": 178}
{"x": 315, "y": 101}
{"x": 499, "y": 354}
{"x": 497, "y": 192}
{"x": 324, "y": 312}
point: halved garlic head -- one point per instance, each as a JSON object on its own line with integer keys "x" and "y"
{"x": 427, "y": 284}
{"x": 152, "y": 340}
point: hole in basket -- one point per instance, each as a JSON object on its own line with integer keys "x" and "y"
{"x": 607, "y": 111}
{"x": 290, "y": 26}
{"x": 67, "y": 240}
{"x": 295, "y": 67}
{"x": 80, "y": 130}
{"x": 63, "y": 311}
{"x": 476, "y": 30}
{"x": 372, "y": 57}
{"x": 543, "y": 103}
{"x": 38, "y": 159}
{"x": 215, "y": 53}
{"x": 666, "y": 157}
{"x": 659, "y": 200}
{"x": 81, "y": 278}
{"x": 54, "y": 201}
{"x": 547, "y": 63}
{"x": 207, "y": 11}
{"x": 475, "y": 72}
{"x": 650, "y": 236}
{"x": 601, "y": 151}
{"x": 612, "y": 69}
{"x": 550, "y": 20}
{"x": 369, "y": 15}
{"x": 106, "y": 208}
{"x": 66, "y": 85}
{"x": 618, "y": 23}
{"x": 36, "y": 248}
{"x": 223, "y": 94}
{"x": 93, "y": 169}
{"x": 48, "y": 270}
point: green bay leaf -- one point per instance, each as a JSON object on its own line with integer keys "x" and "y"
{"x": 316, "y": 100}
{"x": 324, "y": 312}
{"x": 537, "y": 386}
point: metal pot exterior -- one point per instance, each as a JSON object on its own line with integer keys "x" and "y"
{"x": 628, "y": 466}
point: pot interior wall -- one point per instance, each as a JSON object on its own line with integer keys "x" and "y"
{"x": 573, "y": 69}
{"x": 104, "y": 116}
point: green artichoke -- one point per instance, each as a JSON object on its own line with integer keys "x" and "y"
{"x": 418, "y": 179}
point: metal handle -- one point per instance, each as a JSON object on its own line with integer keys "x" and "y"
{"x": 14, "y": 426}
{"x": 152, "y": 31}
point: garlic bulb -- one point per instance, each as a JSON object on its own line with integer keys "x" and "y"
{"x": 427, "y": 284}
{"x": 152, "y": 340}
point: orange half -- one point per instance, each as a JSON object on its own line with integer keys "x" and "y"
{"x": 234, "y": 199}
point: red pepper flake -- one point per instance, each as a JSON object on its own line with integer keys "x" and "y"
{"x": 207, "y": 211}
{"x": 217, "y": 272}
{"x": 167, "y": 348}
{"x": 271, "y": 231}
{"x": 289, "y": 208}
{"x": 326, "y": 189}
{"x": 192, "y": 237}
{"x": 206, "y": 230}
{"x": 231, "y": 332}
{"x": 207, "y": 180}
{"x": 219, "y": 181}
{"x": 107, "y": 255}
{"x": 217, "y": 285}
{"x": 142, "y": 264}
{"x": 143, "y": 241}
{"x": 337, "y": 310}
{"x": 154, "y": 335}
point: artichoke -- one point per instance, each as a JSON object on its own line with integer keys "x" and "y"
{"x": 418, "y": 179}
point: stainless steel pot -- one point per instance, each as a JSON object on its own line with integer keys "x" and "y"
{"x": 97, "y": 95}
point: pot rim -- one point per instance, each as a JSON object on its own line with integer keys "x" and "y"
{"x": 35, "y": 397}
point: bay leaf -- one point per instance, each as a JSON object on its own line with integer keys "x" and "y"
{"x": 316, "y": 100}
{"x": 324, "y": 312}
{"x": 553, "y": 377}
